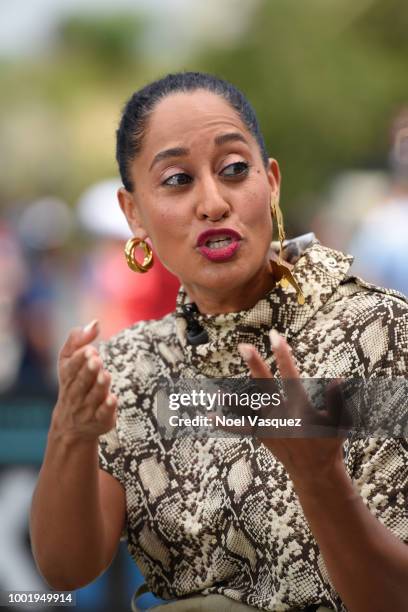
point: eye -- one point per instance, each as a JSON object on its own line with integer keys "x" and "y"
{"x": 181, "y": 178}
{"x": 238, "y": 169}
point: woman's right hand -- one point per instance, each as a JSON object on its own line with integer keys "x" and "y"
{"x": 85, "y": 408}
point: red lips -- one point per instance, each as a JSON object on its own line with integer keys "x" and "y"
{"x": 219, "y": 253}
{"x": 225, "y": 231}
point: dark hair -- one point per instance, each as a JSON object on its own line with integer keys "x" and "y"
{"x": 137, "y": 109}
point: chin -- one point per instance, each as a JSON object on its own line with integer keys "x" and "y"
{"x": 223, "y": 276}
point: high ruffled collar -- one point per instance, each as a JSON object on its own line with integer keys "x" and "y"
{"x": 318, "y": 270}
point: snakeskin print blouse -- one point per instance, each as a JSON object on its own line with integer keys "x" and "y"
{"x": 220, "y": 515}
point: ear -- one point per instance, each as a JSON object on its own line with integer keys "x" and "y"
{"x": 274, "y": 176}
{"x": 131, "y": 211}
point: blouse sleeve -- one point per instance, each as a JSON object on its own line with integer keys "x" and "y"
{"x": 380, "y": 473}
{"x": 110, "y": 448}
{"x": 379, "y": 465}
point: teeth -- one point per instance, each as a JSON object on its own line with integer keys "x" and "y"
{"x": 218, "y": 243}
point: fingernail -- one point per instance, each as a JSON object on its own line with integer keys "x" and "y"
{"x": 245, "y": 351}
{"x": 274, "y": 338}
{"x": 110, "y": 401}
{"x": 92, "y": 363}
{"x": 90, "y": 326}
{"x": 101, "y": 377}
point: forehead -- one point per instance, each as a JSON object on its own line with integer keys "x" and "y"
{"x": 189, "y": 118}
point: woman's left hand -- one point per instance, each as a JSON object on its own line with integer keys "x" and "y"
{"x": 357, "y": 549}
{"x": 306, "y": 459}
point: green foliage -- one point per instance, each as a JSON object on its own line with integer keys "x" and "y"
{"x": 59, "y": 112}
{"x": 324, "y": 80}
{"x": 110, "y": 41}
{"x": 324, "y": 76}
{"x": 386, "y": 24}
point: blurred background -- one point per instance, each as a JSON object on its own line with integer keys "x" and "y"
{"x": 328, "y": 80}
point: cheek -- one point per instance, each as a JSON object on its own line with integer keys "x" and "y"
{"x": 162, "y": 219}
{"x": 169, "y": 225}
{"x": 257, "y": 210}
{"x": 167, "y": 229}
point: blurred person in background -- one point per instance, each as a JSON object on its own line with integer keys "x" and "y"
{"x": 13, "y": 280}
{"x": 351, "y": 195}
{"x": 225, "y": 524}
{"x": 108, "y": 290}
{"x": 380, "y": 244}
{"x": 43, "y": 229}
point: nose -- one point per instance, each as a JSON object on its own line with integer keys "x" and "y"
{"x": 212, "y": 205}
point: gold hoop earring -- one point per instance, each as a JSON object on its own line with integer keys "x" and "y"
{"x": 279, "y": 268}
{"x": 132, "y": 262}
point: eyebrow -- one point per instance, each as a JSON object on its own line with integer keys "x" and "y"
{"x": 182, "y": 152}
{"x": 230, "y": 137}
{"x": 174, "y": 152}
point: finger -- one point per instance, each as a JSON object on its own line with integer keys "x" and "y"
{"x": 106, "y": 412}
{"x": 289, "y": 372}
{"x": 337, "y": 411}
{"x": 259, "y": 370}
{"x": 83, "y": 382}
{"x": 254, "y": 361}
{"x": 69, "y": 368}
{"x": 283, "y": 355}
{"x": 78, "y": 337}
{"x": 99, "y": 391}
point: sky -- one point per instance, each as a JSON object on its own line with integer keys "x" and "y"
{"x": 27, "y": 26}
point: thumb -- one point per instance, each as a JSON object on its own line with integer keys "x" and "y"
{"x": 339, "y": 413}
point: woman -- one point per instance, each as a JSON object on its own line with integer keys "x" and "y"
{"x": 277, "y": 524}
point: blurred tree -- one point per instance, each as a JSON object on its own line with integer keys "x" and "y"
{"x": 109, "y": 41}
{"x": 385, "y": 23}
{"x": 59, "y": 112}
{"x": 324, "y": 78}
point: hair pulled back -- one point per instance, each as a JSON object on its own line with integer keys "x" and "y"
{"x": 133, "y": 123}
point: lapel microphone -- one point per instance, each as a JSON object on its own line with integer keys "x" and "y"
{"x": 196, "y": 334}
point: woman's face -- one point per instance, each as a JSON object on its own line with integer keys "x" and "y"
{"x": 201, "y": 169}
